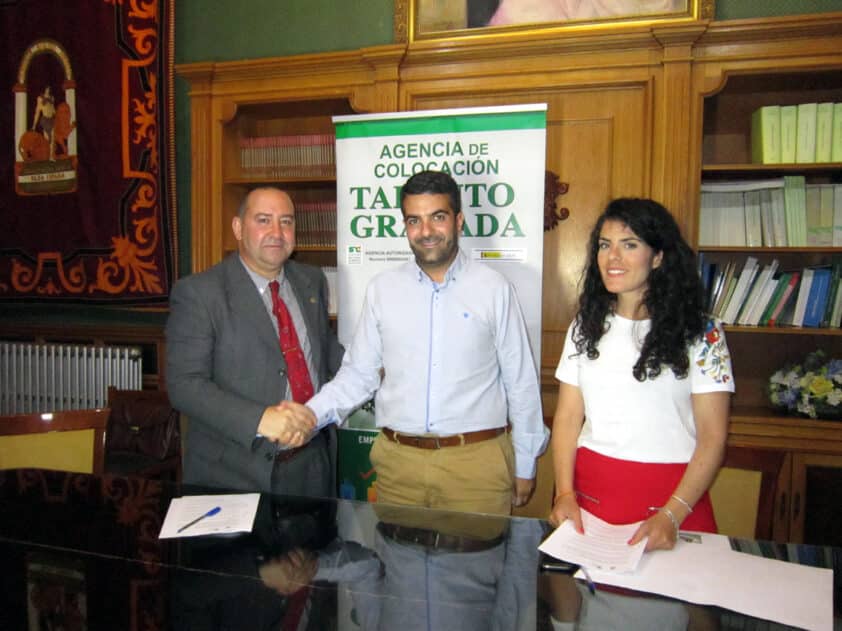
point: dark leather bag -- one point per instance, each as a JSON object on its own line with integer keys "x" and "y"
{"x": 143, "y": 422}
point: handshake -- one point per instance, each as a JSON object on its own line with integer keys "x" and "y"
{"x": 289, "y": 423}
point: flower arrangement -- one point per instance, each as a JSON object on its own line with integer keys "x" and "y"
{"x": 812, "y": 388}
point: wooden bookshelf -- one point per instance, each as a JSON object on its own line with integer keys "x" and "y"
{"x": 769, "y": 62}
{"x": 270, "y": 98}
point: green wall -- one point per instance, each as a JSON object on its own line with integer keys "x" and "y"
{"x": 739, "y": 9}
{"x": 243, "y": 29}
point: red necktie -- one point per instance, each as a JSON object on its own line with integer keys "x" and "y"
{"x": 300, "y": 383}
{"x": 296, "y": 606}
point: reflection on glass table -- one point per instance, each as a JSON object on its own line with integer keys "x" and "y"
{"x": 82, "y": 551}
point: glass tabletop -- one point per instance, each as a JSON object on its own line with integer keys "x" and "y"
{"x": 82, "y": 552}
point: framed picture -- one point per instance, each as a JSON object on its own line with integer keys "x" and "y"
{"x": 417, "y": 20}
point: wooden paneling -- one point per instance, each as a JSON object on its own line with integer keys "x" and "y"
{"x": 629, "y": 114}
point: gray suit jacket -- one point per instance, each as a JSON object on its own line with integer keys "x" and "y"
{"x": 225, "y": 366}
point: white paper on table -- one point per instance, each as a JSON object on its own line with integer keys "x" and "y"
{"x": 237, "y": 513}
{"x": 603, "y": 547}
{"x": 707, "y": 573}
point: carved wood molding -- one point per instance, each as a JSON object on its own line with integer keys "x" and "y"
{"x": 771, "y": 29}
{"x": 321, "y": 67}
{"x": 401, "y": 21}
{"x": 553, "y": 189}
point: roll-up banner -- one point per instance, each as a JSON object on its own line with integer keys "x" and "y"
{"x": 495, "y": 154}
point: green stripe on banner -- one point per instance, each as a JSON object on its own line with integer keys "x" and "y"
{"x": 442, "y": 124}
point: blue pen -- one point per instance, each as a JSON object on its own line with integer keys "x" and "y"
{"x": 210, "y": 513}
{"x": 588, "y": 580}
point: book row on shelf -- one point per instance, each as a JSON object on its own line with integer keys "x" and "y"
{"x": 751, "y": 294}
{"x": 295, "y": 155}
{"x": 777, "y": 212}
{"x": 315, "y": 224}
{"x": 803, "y": 133}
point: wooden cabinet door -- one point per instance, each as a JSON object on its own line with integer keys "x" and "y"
{"x": 751, "y": 494}
{"x": 816, "y": 499}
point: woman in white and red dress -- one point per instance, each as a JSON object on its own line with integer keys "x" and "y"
{"x": 645, "y": 383}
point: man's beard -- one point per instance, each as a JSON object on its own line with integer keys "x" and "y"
{"x": 443, "y": 253}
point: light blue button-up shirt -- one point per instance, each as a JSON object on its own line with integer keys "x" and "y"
{"x": 454, "y": 357}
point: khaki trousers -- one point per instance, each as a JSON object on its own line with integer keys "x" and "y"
{"x": 471, "y": 478}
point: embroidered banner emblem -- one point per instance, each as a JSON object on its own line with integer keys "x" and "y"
{"x": 46, "y": 150}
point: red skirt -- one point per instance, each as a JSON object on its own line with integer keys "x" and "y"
{"x": 621, "y": 491}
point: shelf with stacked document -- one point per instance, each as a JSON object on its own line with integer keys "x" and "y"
{"x": 768, "y": 231}
{"x": 770, "y": 203}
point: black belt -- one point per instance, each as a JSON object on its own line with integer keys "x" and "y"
{"x": 437, "y": 442}
{"x": 436, "y": 540}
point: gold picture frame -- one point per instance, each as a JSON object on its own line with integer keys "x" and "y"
{"x": 420, "y": 20}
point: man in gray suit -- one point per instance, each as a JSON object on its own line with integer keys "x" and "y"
{"x": 226, "y": 371}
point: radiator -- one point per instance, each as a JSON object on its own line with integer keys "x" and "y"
{"x": 48, "y": 377}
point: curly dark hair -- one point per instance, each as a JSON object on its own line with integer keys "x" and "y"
{"x": 674, "y": 298}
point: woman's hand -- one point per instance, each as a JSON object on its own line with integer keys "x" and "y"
{"x": 565, "y": 506}
{"x": 661, "y": 532}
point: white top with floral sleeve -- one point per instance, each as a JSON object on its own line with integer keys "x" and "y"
{"x": 649, "y": 421}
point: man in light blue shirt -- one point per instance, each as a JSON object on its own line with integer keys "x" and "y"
{"x": 442, "y": 342}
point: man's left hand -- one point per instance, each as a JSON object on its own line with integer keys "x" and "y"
{"x": 522, "y": 491}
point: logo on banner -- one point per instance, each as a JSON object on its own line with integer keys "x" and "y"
{"x": 45, "y": 143}
{"x": 355, "y": 255}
